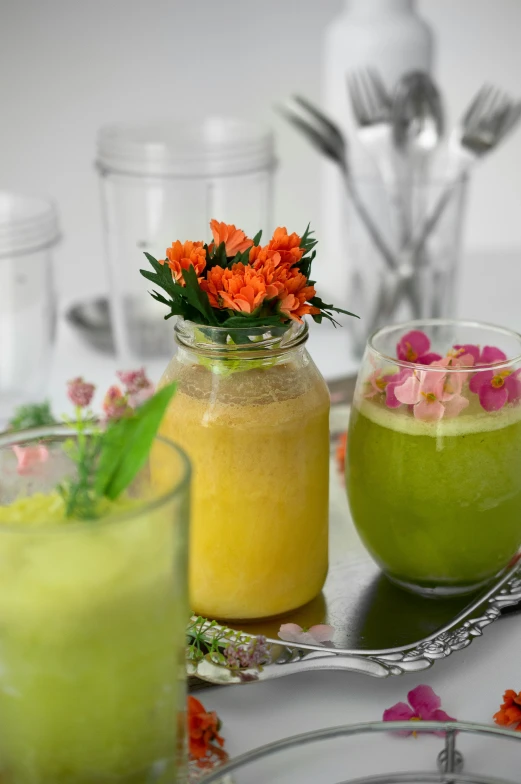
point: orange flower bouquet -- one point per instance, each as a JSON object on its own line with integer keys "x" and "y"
{"x": 237, "y": 282}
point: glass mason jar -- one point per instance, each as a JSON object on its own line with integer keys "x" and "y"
{"x": 252, "y": 412}
{"x": 92, "y": 624}
{"x": 167, "y": 179}
{"x": 434, "y": 453}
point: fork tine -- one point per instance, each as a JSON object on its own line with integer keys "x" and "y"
{"x": 510, "y": 121}
{"x": 359, "y": 103}
{"x": 474, "y": 109}
{"x": 379, "y": 87}
{"x": 369, "y": 92}
{"x": 326, "y": 123}
{"x": 352, "y": 88}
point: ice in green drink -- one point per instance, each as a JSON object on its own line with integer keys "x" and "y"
{"x": 436, "y": 504}
{"x": 92, "y": 620}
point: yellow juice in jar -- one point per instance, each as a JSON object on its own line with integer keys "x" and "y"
{"x": 259, "y": 446}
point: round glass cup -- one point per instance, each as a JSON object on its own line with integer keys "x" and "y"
{"x": 433, "y": 466}
{"x": 92, "y": 621}
{"x": 376, "y": 753}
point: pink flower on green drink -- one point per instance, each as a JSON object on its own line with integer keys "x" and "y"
{"x": 433, "y": 394}
{"x": 385, "y": 384}
{"x": 424, "y": 705}
{"x": 415, "y": 347}
{"x": 482, "y": 356}
{"x": 496, "y": 388}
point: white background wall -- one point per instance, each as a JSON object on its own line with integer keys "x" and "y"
{"x": 68, "y": 66}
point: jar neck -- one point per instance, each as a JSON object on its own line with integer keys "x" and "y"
{"x": 244, "y": 344}
{"x": 370, "y": 8}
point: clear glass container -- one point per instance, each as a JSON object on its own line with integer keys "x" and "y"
{"x": 28, "y": 233}
{"x": 377, "y": 753}
{"x": 92, "y": 623}
{"x": 167, "y": 180}
{"x": 434, "y": 453}
{"x": 252, "y": 412}
{"x": 419, "y": 276}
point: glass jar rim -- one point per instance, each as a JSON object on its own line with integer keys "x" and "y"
{"x": 464, "y": 323}
{"x": 253, "y": 342}
{"x": 11, "y": 438}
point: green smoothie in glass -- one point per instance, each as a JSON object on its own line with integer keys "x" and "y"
{"x": 433, "y": 464}
{"x": 93, "y": 615}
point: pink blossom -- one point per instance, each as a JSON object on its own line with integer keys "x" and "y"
{"x": 433, "y": 394}
{"x": 30, "y": 457}
{"x": 138, "y": 386}
{"x": 496, "y": 389}
{"x": 482, "y": 356}
{"x": 316, "y": 635}
{"x": 115, "y": 404}
{"x": 79, "y": 392}
{"x": 424, "y": 705}
{"x": 414, "y": 347}
{"x": 380, "y": 384}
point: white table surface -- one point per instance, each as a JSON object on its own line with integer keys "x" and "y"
{"x": 470, "y": 682}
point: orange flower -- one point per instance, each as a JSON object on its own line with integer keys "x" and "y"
{"x": 510, "y": 711}
{"x": 235, "y": 240}
{"x": 203, "y": 733}
{"x": 238, "y": 288}
{"x": 283, "y": 249}
{"x": 294, "y": 298}
{"x": 182, "y": 256}
{"x": 340, "y": 452}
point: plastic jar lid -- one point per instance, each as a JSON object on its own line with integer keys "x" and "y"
{"x": 27, "y": 223}
{"x": 216, "y": 146}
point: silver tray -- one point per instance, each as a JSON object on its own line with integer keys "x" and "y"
{"x": 380, "y": 630}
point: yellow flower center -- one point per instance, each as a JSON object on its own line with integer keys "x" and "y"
{"x": 430, "y": 397}
{"x": 411, "y": 355}
{"x": 381, "y": 384}
{"x": 499, "y": 380}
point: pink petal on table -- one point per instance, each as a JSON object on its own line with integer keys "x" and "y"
{"x": 322, "y": 632}
{"x": 455, "y": 406}
{"x": 440, "y": 715}
{"x": 290, "y": 632}
{"x": 428, "y": 359}
{"x": 409, "y": 391}
{"x": 399, "y": 712}
{"x": 29, "y": 457}
{"x": 491, "y": 354}
{"x": 429, "y": 411}
{"x": 480, "y": 379}
{"x": 469, "y": 349}
{"x": 493, "y": 398}
{"x": 424, "y": 701}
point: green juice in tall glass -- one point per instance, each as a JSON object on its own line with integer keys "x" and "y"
{"x": 437, "y": 504}
{"x": 92, "y": 633}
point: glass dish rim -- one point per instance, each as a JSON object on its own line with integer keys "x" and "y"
{"x": 348, "y": 730}
{"x": 9, "y": 438}
{"x": 410, "y": 325}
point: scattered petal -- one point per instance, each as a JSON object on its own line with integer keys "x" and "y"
{"x": 424, "y": 701}
{"x": 30, "y": 457}
{"x": 316, "y": 635}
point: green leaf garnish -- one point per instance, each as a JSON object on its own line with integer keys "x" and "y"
{"x": 126, "y": 443}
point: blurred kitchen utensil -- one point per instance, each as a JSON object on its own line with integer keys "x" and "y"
{"x": 325, "y": 136}
{"x": 91, "y": 320}
{"x": 490, "y": 117}
{"x": 372, "y": 109}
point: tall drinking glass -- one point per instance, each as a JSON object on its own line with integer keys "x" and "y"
{"x": 434, "y": 453}
{"x": 92, "y": 622}
{"x": 28, "y": 233}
